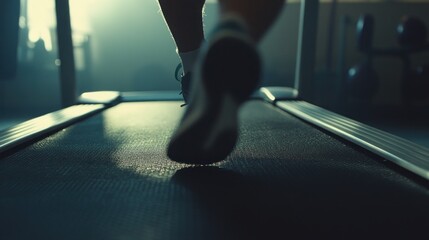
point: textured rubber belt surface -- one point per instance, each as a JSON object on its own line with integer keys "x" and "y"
{"x": 109, "y": 178}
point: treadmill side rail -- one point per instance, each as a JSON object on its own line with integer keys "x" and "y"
{"x": 402, "y": 152}
{"x": 32, "y": 129}
{"x": 109, "y": 98}
{"x": 274, "y": 94}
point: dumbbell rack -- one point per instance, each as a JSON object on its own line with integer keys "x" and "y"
{"x": 364, "y": 30}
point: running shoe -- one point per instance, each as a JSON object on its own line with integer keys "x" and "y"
{"x": 227, "y": 73}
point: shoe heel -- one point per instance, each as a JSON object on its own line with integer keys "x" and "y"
{"x": 232, "y": 64}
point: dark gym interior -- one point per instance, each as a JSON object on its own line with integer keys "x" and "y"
{"x": 348, "y": 158}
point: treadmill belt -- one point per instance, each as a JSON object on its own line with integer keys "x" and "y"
{"x": 108, "y": 177}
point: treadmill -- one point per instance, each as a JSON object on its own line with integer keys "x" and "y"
{"x": 98, "y": 170}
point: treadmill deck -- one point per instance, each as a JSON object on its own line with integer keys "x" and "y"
{"x": 108, "y": 177}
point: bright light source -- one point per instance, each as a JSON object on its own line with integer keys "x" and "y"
{"x": 33, "y": 36}
{"x": 79, "y": 15}
{"x": 41, "y": 19}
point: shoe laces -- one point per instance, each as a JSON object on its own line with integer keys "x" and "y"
{"x": 178, "y": 74}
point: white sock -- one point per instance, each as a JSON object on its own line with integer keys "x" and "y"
{"x": 188, "y": 59}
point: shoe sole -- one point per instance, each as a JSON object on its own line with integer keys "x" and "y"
{"x": 229, "y": 72}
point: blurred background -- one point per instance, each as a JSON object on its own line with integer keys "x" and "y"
{"x": 125, "y": 46}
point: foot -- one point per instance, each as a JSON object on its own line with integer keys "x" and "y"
{"x": 227, "y": 73}
{"x": 185, "y": 81}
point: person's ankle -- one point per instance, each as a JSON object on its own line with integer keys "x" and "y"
{"x": 188, "y": 60}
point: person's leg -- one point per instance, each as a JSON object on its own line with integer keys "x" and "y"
{"x": 184, "y": 19}
{"x": 185, "y": 22}
{"x": 227, "y": 72}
